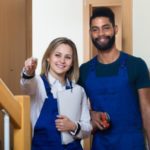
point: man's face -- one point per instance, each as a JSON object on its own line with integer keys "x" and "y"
{"x": 102, "y": 33}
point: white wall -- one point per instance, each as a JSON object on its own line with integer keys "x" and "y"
{"x": 141, "y": 29}
{"x": 54, "y": 18}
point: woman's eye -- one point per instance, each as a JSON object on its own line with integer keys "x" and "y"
{"x": 68, "y": 57}
{"x": 57, "y": 55}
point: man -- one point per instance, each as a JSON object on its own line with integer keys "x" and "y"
{"x": 116, "y": 83}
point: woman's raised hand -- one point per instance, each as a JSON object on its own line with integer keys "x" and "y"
{"x": 30, "y": 66}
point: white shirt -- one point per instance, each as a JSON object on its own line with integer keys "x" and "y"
{"x": 35, "y": 88}
{"x": 56, "y": 86}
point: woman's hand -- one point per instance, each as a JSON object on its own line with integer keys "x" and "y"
{"x": 63, "y": 123}
{"x": 30, "y": 66}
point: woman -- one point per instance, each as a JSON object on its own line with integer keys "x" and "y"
{"x": 59, "y": 73}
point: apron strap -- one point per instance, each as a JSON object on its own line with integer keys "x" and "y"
{"x": 47, "y": 85}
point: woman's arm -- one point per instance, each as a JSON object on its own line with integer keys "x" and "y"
{"x": 28, "y": 80}
{"x": 85, "y": 120}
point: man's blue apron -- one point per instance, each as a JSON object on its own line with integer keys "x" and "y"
{"x": 116, "y": 96}
{"x": 46, "y": 136}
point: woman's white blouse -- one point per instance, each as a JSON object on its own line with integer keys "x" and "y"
{"x": 35, "y": 88}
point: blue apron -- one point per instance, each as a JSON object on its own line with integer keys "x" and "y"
{"x": 46, "y": 136}
{"x": 116, "y": 96}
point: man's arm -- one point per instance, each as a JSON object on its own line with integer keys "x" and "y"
{"x": 144, "y": 96}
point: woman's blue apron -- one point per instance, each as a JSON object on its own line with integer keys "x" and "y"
{"x": 116, "y": 96}
{"x": 46, "y": 136}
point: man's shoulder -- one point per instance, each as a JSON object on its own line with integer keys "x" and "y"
{"x": 87, "y": 64}
{"x": 133, "y": 60}
{"x": 138, "y": 72}
{"x": 84, "y": 69}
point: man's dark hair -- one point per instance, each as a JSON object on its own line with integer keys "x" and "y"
{"x": 103, "y": 12}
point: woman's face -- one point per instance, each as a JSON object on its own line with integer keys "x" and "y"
{"x": 60, "y": 60}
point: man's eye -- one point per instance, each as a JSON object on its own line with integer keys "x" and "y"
{"x": 106, "y": 28}
{"x": 94, "y": 30}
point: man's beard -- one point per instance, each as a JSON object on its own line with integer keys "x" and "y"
{"x": 104, "y": 47}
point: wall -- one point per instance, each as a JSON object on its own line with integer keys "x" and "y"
{"x": 141, "y": 29}
{"x": 64, "y": 18}
{"x": 54, "y": 18}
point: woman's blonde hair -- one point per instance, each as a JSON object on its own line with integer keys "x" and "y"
{"x": 73, "y": 72}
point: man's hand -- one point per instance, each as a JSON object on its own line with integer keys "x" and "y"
{"x": 100, "y": 120}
